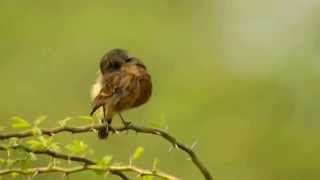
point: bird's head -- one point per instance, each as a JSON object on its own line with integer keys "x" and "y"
{"x": 133, "y": 61}
{"x": 113, "y": 60}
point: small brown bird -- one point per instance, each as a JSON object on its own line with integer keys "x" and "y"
{"x": 123, "y": 83}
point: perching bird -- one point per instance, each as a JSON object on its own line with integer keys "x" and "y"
{"x": 123, "y": 83}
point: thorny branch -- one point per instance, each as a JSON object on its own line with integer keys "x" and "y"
{"x": 88, "y": 165}
{"x": 116, "y": 170}
{"x": 139, "y": 129}
{"x": 50, "y": 153}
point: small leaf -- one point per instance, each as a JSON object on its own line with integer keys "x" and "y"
{"x": 77, "y": 147}
{"x": 137, "y": 154}
{"x": 105, "y": 161}
{"x": 86, "y": 118}
{"x": 155, "y": 163}
{"x": 49, "y": 140}
{"x": 55, "y": 147}
{"x": 35, "y": 144}
{"x": 20, "y": 123}
{"x": 99, "y": 172}
{"x": 36, "y": 131}
{"x": 83, "y": 145}
{"x": 39, "y": 120}
{"x": 43, "y": 141}
{"x": 64, "y": 121}
{"x": 14, "y": 175}
{"x": 13, "y": 141}
{"x": 32, "y": 156}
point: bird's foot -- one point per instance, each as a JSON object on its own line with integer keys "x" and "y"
{"x": 104, "y": 132}
{"x": 125, "y": 122}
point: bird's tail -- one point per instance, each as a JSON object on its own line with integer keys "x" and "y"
{"x": 104, "y": 132}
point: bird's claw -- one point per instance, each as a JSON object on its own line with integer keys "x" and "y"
{"x": 125, "y": 122}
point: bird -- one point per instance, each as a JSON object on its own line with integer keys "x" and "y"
{"x": 123, "y": 83}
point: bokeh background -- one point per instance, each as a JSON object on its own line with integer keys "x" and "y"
{"x": 240, "y": 78}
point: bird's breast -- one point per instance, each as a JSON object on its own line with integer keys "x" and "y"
{"x": 96, "y": 87}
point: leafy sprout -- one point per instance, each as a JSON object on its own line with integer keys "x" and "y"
{"x": 18, "y": 122}
{"x": 77, "y": 147}
{"x": 138, "y": 153}
{"x": 64, "y": 121}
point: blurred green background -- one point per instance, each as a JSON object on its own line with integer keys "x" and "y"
{"x": 241, "y": 78}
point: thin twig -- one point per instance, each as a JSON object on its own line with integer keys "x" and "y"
{"x": 88, "y": 165}
{"x": 50, "y": 153}
{"x": 113, "y": 169}
{"x": 140, "y": 129}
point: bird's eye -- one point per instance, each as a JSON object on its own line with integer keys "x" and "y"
{"x": 128, "y": 59}
{"x": 115, "y": 65}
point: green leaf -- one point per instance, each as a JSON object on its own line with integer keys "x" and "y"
{"x": 36, "y": 131}
{"x": 49, "y": 140}
{"x": 19, "y": 123}
{"x": 14, "y": 175}
{"x": 77, "y": 147}
{"x": 86, "y": 118}
{"x": 13, "y": 141}
{"x": 55, "y": 147}
{"x": 64, "y": 121}
{"x": 43, "y": 141}
{"x": 39, "y": 120}
{"x": 35, "y": 144}
{"x": 138, "y": 152}
{"x": 155, "y": 163}
{"x": 32, "y": 156}
{"x": 99, "y": 172}
{"x": 105, "y": 161}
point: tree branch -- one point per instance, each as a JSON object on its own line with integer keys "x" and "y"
{"x": 50, "y": 153}
{"x": 117, "y": 170}
{"x": 139, "y": 129}
{"x": 88, "y": 165}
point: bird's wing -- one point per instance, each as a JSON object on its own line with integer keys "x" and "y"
{"x": 107, "y": 91}
{"x": 99, "y": 101}
{"x": 113, "y": 89}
